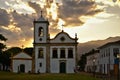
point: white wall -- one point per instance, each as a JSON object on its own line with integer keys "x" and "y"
{"x": 54, "y": 66}
{"x": 42, "y": 69}
{"x": 70, "y": 66}
{"x": 55, "y": 63}
{"x": 107, "y": 59}
{"x": 27, "y": 63}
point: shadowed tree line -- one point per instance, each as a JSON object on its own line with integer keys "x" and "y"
{"x": 5, "y": 54}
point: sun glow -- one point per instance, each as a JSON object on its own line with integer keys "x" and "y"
{"x": 29, "y": 43}
{"x": 12, "y": 28}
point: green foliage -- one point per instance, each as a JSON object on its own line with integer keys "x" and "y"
{"x": 82, "y": 62}
{"x": 13, "y": 50}
{"x": 2, "y": 46}
{"x": 2, "y": 38}
{"x": 22, "y": 76}
{"x": 3, "y": 56}
{"x": 29, "y": 51}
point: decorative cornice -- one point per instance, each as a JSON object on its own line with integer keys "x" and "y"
{"x": 62, "y": 32}
{"x": 21, "y": 52}
{"x": 41, "y": 22}
{"x": 21, "y": 58}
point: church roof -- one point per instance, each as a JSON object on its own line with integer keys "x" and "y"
{"x": 22, "y": 55}
{"x": 41, "y": 18}
{"x": 63, "y": 37}
{"x": 64, "y": 33}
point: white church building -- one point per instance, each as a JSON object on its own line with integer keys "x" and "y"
{"x": 56, "y": 55}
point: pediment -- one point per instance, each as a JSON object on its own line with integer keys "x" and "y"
{"x": 62, "y": 37}
{"x": 22, "y": 55}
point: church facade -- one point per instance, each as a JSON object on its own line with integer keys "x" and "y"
{"x": 57, "y": 55}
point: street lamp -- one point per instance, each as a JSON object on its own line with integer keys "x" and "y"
{"x": 94, "y": 67}
{"x": 118, "y": 57}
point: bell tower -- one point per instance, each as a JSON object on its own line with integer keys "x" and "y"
{"x": 41, "y": 32}
{"x": 41, "y": 38}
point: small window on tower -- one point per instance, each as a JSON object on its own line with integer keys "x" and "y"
{"x": 40, "y": 32}
{"x": 40, "y": 53}
{"x": 40, "y": 64}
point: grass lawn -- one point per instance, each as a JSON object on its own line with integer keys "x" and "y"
{"x": 21, "y": 76}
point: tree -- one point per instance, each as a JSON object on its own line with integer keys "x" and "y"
{"x": 82, "y": 62}
{"x": 13, "y": 50}
{"x": 29, "y": 51}
{"x": 5, "y": 57}
{"x": 2, "y": 39}
{"x": 2, "y": 46}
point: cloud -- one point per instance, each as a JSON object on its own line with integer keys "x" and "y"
{"x": 113, "y": 10}
{"x": 35, "y": 6}
{"x": 13, "y": 37}
{"x": 72, "y": 10}
{"x": 4, "y": 18}
{"x": 16, "y": 26}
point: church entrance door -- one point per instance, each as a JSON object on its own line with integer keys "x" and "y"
{"x": 62, "y": 67}
{"x": 22, "y": 68}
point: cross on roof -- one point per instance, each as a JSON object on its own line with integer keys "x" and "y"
{"x": 22, "y": 47}
{"x": 62, "y": 26}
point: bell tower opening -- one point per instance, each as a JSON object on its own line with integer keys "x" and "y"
{"x": 40, "y": 32}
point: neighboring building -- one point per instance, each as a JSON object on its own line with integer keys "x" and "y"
{"x": 21, "y": 62}
{"x": 108, "y": 61}
{"x": 57, "y": 55}
{"x": 92, "y": 61}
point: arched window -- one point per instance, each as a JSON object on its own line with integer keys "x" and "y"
{"x": 40, "y": 31}
{"x": 70, "y": 53}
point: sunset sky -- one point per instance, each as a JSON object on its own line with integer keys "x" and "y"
{"x": 90, "y": 19}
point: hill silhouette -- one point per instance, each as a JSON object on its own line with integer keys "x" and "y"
{"x": 87, "y": 46}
